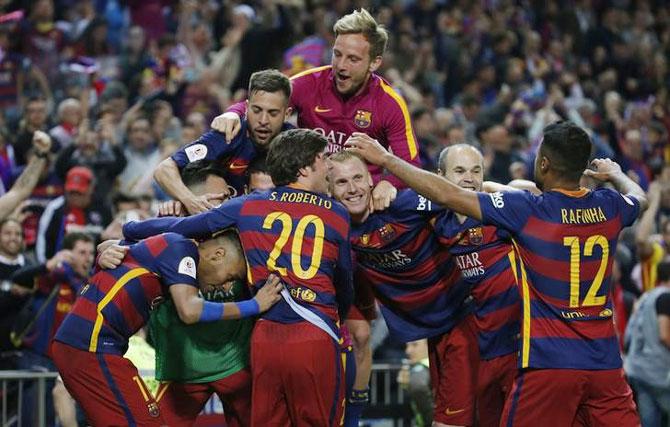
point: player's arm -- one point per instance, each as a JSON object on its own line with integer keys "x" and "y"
{"x": 167, "y": 174}
{"x": 607, "y": 170}
{"x": 191, "y": 308}
{"x": 432, "y": 186}
{"x": 645, "y": 227}
{"x": 399, "y": 133}
{"x": 197, "y": 226}
{"x": 28, "y": 179}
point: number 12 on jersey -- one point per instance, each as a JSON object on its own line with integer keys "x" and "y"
{"x": 575, "y": 262}
{"x": 297, "y": 243}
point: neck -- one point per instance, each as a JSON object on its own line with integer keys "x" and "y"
{"x": 557, "y": 182}
{"x": 361, "y": 217}
{"x": 8, "y": 256}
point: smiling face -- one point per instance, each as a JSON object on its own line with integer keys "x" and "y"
{"x": 464, "y": 166}
{"x": 266, "y": 113}
{"x": 351, "y": 184}
{"x": 352, "y": 64}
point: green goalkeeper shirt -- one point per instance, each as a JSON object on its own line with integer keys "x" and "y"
{"x": 202, "y": 352}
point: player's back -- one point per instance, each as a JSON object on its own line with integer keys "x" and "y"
{"x": 566, "y": 242}
{"x": 116, "y": 303}
{"x": 302, "y": 236}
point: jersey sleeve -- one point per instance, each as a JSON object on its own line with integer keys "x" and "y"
{"x": 198, "y": 226}
{"x": 177, "y": 264}
{"x": 301, "y": 86}
{"x": 509, "y": 210}
{"x": 210, "y": 146}
{"x": 398, "y": 131}
{"x": 409, "y": 202}
{"x": 628, "y": 207}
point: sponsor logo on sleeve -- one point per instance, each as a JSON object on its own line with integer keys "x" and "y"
{"x": 628, "y": 200}
{"x": 187, "y": 266}
{"x": 497, "y": 200}
{"x": 424, "y": 204}
{"x": 196, "y": 152}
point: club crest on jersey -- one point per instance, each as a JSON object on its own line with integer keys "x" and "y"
{"x": 363, "y": 118}
{"x": 387, "y": 232}
{"x": 365, "y": 239}
{"x": 476, "y": 236}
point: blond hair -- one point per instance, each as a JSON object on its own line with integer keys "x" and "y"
{"x": 361, "y": 22}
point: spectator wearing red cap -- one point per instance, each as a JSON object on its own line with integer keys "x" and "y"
{"x": 74, "y": 211}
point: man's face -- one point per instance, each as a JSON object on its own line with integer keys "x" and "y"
{"x": 77, "y": 199}
{"x": 36, "y": 113}
{"x": 351, "y": 184}
{"x": 416, "y": 351}
{"x": 464, "y": 167}
{"x": 266, "y": 113}
{"x": 11, "y": 239}
{"x": 260, "y": 181}
{"x": 351, "y": 63}
{"x": 214, "y": 185}
{"x": 83, "y": 254}
{"x": 219, "y": 265}
{"x": 318, "y": 174}
{"x": 139, "y": 134}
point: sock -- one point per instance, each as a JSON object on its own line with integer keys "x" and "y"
{"x": 356, "y": 402}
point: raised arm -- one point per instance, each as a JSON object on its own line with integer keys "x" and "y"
{"x": 28, "y": 179}
{"x": 645, "y": 226}
{"x": 430, "y": 185}
{"x": 607, "y": 170}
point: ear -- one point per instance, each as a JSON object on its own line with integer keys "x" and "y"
{"x": 219, "y": 254}
{"x": 370, "y": 183}
{"x": 303, "y": 171}
{"x": 375, "y": 64}
{"x": 545, "y": 164}
{"x": 288, "y": 113}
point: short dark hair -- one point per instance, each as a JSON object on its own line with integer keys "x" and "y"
{"x": 270, "y": 81}
{"x": 291, "y": 151}
{"x": 71, "y": 239}
{"x": 257, "y": 165}
{"x": 663, "y": 271}
{"x": 568, "y": 148}
{"x": 197, "y": 172}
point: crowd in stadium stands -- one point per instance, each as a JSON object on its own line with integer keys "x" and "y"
{"x": 121, "y": 85}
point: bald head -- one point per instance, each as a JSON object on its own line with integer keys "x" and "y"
{"x": 463, "y": 165}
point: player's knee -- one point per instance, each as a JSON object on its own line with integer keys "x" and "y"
{"x": 360, "y": 334}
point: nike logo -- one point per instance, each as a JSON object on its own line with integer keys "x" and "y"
{"x": 237, "y": 166}
{"x": 450, "y": 412}
{"x": 320, "y": 109}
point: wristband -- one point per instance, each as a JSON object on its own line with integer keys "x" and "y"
{"x": 248, "y": 308}
{"x": 211, "y": 311}
{"x": 41, "y": 154}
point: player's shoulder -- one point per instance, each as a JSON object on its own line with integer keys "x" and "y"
{"x": 385, "y": 93}
{"x": 613, "y": 195}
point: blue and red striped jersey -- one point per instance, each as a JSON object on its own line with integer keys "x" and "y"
{"x": 116, "y": 303}
{"x": 412, "y": 275}
{"x": 565, "y": 242}
{"x": 484, "y": 255}
{"x": 235, "y": 157}
{"x": 301, "y": 235}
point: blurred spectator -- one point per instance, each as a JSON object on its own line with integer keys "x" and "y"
{"x": 652, "y": 249}
{"x": 141, "y": 153}
{"x": 68, "y": 115}
{"x": 35, "y": 117}
{"x": 100, "y": 151}
{"x": 414, "y": 377}
{"x": 75, "y": 211}
{"x": 56, "y": 285}
{"x": 499, "y": 154}
{"x": 41, "y": 40}
{"x": 11, "y": 297}
{"x": 648, "y": 357}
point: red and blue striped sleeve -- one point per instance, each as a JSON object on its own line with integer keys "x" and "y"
{"x": 198, "y": 226}
{"x": 177, "y": 263}
{"x": 509, "y": 210}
